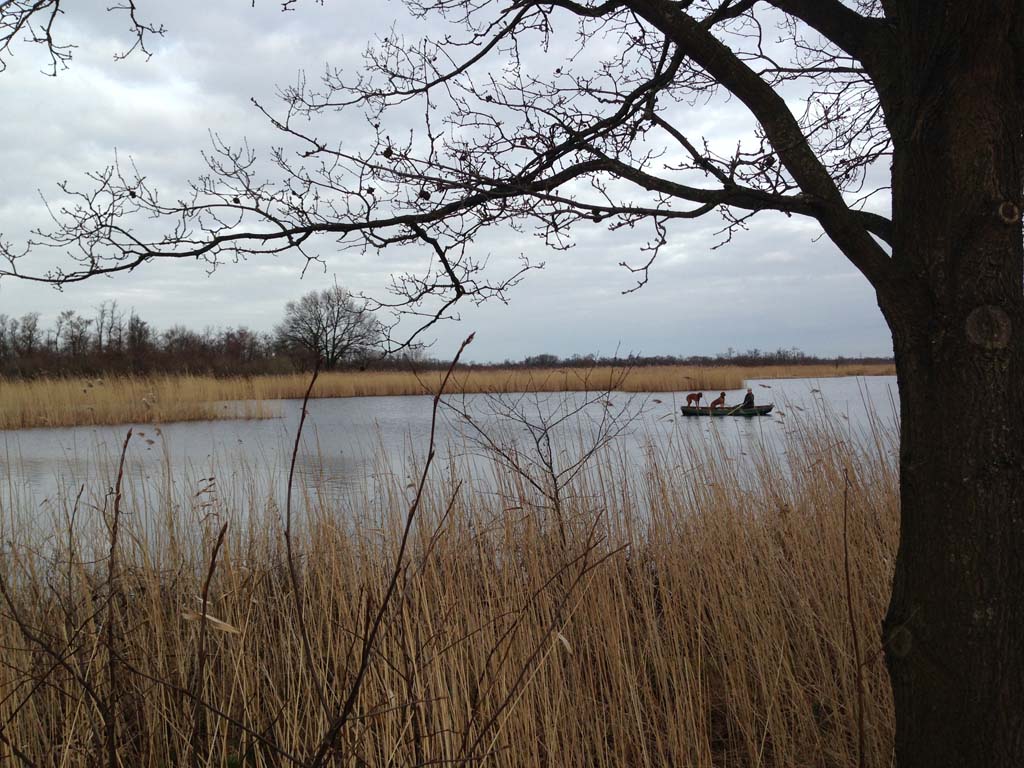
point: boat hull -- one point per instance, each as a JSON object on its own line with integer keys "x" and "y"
{"x": 729, "y": 410}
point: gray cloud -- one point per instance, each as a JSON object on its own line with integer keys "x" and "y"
{"x": 772, "y": 286}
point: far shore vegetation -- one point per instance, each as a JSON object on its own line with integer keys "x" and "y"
{"x": 116, "y": 368}
{"x": 146, "y": 399}
{"x": 328, "y": 325}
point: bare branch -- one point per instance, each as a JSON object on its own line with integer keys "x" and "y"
{"x": 858, "y": 35}
{"x": 601, "y": 141}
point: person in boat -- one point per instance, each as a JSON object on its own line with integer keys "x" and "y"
{"x": 718, "y": 402}
{"x": 748, "y": 401}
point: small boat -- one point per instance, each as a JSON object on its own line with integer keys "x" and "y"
{"x": 727, "y": 410}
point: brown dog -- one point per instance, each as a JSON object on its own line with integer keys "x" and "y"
{"x": 718, "y": 402}
{"x": 694, "y": 398}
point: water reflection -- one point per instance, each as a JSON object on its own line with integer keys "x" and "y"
{"x": 346, "y": 438}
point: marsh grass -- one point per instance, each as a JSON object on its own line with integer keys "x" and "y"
{"x": 658, "y": 378}
{"x": 141, "y": 400}
{"x": 695, "y": 614}
{"x": 67, "y": 402}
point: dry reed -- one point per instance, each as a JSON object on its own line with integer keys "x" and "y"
{"x": 140, "y": 400}
{"x": 696, "y": 614}
{"x": 67, "y": 402}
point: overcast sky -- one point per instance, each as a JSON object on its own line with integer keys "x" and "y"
{"x": 777, "y": 285}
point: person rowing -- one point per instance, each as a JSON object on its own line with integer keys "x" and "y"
{"x": 748, "y": 401}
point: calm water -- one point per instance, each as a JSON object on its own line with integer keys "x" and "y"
{"x": 345, "y": 438}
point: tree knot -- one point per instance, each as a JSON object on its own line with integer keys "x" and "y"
{"x": 989, "y": 327}
{"x": 900, "y": 641}
{"x": 1009, "y": 212}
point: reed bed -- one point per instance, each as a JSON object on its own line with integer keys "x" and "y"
{"x": 66, "y": 402}
{"x": 659, "y": 378}
{"x": 143, "y": 400}
{"x": 686, "y": 612}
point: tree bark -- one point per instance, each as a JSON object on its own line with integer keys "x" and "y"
{"x": 954, "y": 633}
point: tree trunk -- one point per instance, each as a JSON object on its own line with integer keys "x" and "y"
{"x": 954, "y": 633}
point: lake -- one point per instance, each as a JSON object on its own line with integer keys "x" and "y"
{"x": 346, "y": 442}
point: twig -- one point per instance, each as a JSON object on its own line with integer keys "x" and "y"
{"x": 293, "y": 575}
{"x": 110, "y": 724}
{"x": 331, "y": 734}
{"x": 25, "y": 759}
{"x": 468, "y": 754}
{"x": 853, "y": 624}
{"x": 213, "y": 709}
{"x": 198, "y": 739}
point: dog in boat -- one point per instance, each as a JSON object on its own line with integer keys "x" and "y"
{"x": 718, "y": 402}
{"x": 694, "y": 398}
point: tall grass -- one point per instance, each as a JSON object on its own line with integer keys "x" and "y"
{"x": 67, "y": 402}
{"x": 695, "y": 613}
{"x": 659, "y": 378}
{"x": 127, "y": 400}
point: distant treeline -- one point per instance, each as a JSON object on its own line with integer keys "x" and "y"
{"x": 114, "y": 341}
{"x": 117, "y": 341}
{"x": 752, "y": 357}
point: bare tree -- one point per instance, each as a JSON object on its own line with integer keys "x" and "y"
{"x": 924, "y": 97}
{"x": 330, "y": 326}
{"x": 28, "y": 336}
{"x": 548, "y": 440}
{"x": 76, "y": 333}
{"x": 139, "y": 336}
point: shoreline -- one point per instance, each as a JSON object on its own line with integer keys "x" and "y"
{"x": 71, "y": 402}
